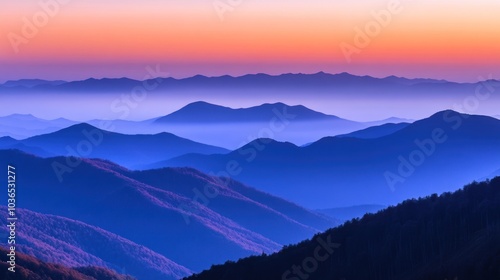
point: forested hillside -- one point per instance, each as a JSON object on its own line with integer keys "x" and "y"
{"x": 451, "y": 236}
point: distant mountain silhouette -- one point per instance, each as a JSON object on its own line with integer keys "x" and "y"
{"x": 314, "y": 82}
{"x": 342, "y": 90}
{"x": 173, "y": 212}
{"x": 75, "y": 244}
{"x": 10, "y": 143}
{"x": 31, "y": 83}
{"x": 350, "y": 171}
{"x": 320, "y": 79}
{"x": 376, "y": 131}
{"x": 452, "y": 236}
{"x": 84, "y": 140}
{"x": 21, "y": 126}
{"x": 406, "y": 81}
{"x": 205, "y": 122}
{"x": 7, "y": 141}
{"x": 92, "y": 84}
{"x": 201, "y": 112}
{"x": 30, "y": 268}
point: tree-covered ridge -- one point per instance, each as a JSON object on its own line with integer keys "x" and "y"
{"x": 28, "y": 267}
{"x": 451, "y": 236}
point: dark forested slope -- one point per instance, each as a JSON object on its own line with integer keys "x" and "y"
{"x": 451, "y": 236}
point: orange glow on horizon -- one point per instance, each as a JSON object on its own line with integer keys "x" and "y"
{"x": 298, "y": 33}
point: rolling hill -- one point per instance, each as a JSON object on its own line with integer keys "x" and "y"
{"x": 30, "y": 268}
{"x": 173, "y": 212}
{"x": 85, "y": 140}
{"x": 75, "y": 244}
{"x": 21, "y": 126}
{"x": 203, "y": 112}
{"x": 352, "y": 171}
{"x": 205, "y": 122}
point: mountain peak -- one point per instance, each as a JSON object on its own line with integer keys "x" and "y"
{"x": 21, "y": 116}
{"x": 445, "y": 112}
{"x": 204, "y": 112}
{"x": 201, "y": 104}
{"x": 76, "y": 130}
{"x": 269, "y": 143}
{"x": 79, "y": 127}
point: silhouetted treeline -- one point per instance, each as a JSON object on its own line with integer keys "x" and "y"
{"x": 451, "y": 236}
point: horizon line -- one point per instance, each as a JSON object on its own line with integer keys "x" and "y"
{"x": 251, "y": 74}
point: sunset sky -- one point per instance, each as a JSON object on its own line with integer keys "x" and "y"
{"x": 455, "y": 40}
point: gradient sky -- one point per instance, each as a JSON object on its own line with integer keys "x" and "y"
{"x": 455, "y": 40}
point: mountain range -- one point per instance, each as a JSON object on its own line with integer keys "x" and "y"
{"x": 320, "y": 79}
{"x": 337, "y": 94}
{"x": 351, "y": 171}
{"x": 72, "y": 243}
{"x": 172, "y": 212}
{"x": 84, "y": 140}
{"x": 21, "y": 126}
{"x": 31, "y": 83}
{"x": 204, "y": 122}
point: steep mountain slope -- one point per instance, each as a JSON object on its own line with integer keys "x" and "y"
{"x": 249, "y": 207}
{"x": 350, "y": 171}
{"x": 88, "y": 141}
{"x": 30, "y": 268}
{"x": 172, "y": 212}
{"x": 75, "y": 244}
{"x": 453, "y": 236}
